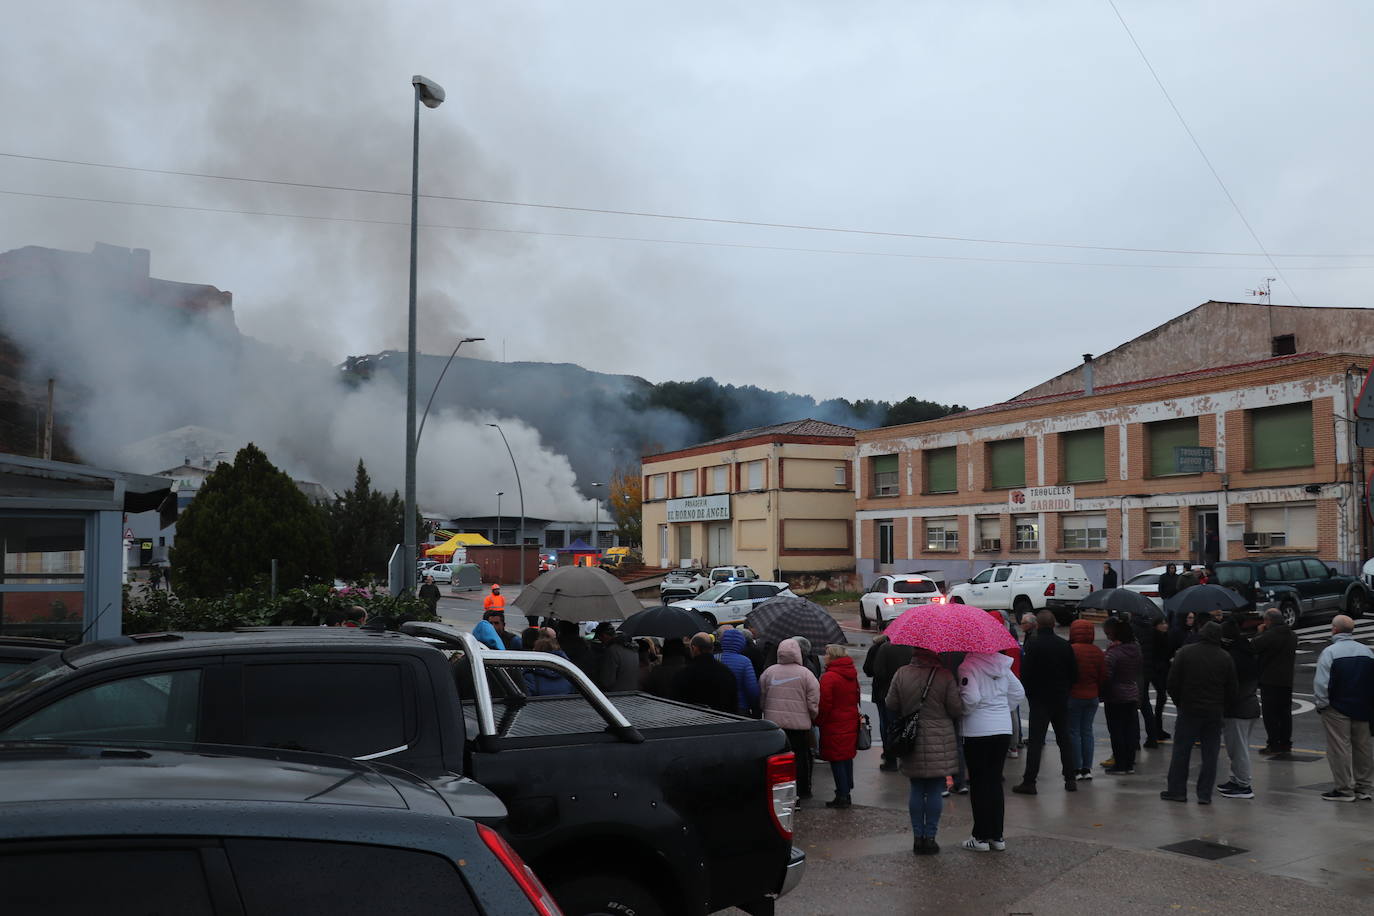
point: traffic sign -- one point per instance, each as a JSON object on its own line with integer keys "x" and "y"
{"x": 128, "y": 534}
{"x": 1364, "y": 433}
{"x": 1364, "y": 404}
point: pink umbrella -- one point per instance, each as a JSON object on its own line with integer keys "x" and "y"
{"x": 950, "y": 628}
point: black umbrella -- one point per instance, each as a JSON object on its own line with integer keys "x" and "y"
{"x": 1122, "y": 601}
{"x": 1202, "y": 599}
{"x": 785, "y": 616}
{"x": 666, "y": 622}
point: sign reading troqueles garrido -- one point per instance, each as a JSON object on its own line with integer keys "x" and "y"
{"x": 700, "y": 509}
{"x": 1041, "y": 499}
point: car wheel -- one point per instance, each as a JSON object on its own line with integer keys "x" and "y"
{"x": 1022, "y": 605}
{"x": 1356, "y": 603}
{"x": 882, "y": 622}
{"x": 1290, "y": 613}
{"x": 605, "y": 895}
{"x": 863, "y": 618}
{"x": 956, "y": 600}
{"x": 709, "y": 618}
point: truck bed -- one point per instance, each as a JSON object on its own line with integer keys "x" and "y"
{"x": 542, "y": 717}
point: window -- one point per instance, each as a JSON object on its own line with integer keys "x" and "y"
{"x": 983, "y": 578}
{"x": 1006, "y": 464}
{"x": 151, "y": 707}
{"x": 762, "y": 591}
{"x": 1027, "y": 533}
{"x": 663, "y": 541}
{"x": 553, "y": 537}
{"x": 1316, "y": 569}
{"x": 942, "y": 534}
{"x": 1287, "y": 526}
{"x": 1084, "y": 532}
{"x": 1084, "y": 454}
{"x": 684, "y": 542}
{"x": 686, "y": 483}
{"x": 48, "y": 551}
{"x": 990, "y": 533}
{"x": 658, "y": 486}
{"x": 886, "y": 554}
{"x": 941, "y": 470}
{"x": 1163, "y": 532}
{"x": 719, "y": 479}
{"x": 884, "y": 475}
{"x": 841, "y": 475}
{"x": 1284, "y": 345}
{"x": 754, "y": 475}
{"x": 913, "y": 586}
{"x": 353, "y": 710}
{"x": 1164, "y": 437}
{"x": 80, "y": 880}
{"x": 1281, "y": 437}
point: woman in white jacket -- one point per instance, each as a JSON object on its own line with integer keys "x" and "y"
{"x": 990, "y": 692}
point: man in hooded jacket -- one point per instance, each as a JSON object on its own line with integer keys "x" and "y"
{"x": 1203, "y": 684}
{"x": 732, "y": 643}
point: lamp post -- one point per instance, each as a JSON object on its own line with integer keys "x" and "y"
{"x": 425, "y": 416}
{"x": 431, "y": 94}
{"x": 497, "y": 532}
{"x": 521, "y": 490}
{"x": 596, "y": 520}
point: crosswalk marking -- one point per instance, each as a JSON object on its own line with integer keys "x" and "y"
{"x": 1322, "y": 632}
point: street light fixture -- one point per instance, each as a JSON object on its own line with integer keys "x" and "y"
{"x": 425, "y": 416}
{"x": 596, "y": 519}
{"x": 497, "y": 532}
{"x": 431, "y": 94}
{"x": 520, "y": 487}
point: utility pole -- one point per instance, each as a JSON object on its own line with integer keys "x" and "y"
{"x": 47, "y": 426}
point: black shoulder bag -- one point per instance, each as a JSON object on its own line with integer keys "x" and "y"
{"x": 906, "y": 729}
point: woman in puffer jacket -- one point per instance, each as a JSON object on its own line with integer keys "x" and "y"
{"x": 838, "y": 719}
{"x": 1122, "y": 695}
{"x": 791, "y": 698}
{"x": 936, "y": 754}
{"x": 990, "y": 692}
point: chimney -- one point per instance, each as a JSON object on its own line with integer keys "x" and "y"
{"x": 1087, "y": 374}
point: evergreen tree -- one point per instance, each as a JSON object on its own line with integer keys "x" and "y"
{"x": 366, "y": 526}
{"x": 245, "y": 515}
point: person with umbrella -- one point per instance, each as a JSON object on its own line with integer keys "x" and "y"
{"x": 791, "y": 698}
{"x": 927, "y": 687}
{"x": 838, "y": 719}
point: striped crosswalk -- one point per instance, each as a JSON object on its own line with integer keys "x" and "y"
{"x": 1321, "y": 632}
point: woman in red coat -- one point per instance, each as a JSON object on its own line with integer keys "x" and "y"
{"x": 838, "y": 721}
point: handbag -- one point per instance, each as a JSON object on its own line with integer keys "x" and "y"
{"x": 865, "y": 737}
{"x": 906, "y": 729}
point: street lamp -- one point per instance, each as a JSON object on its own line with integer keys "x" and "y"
{"x": 596, "y": 518}
{"x": 521, "y": 489}
{"x": 425, "y": 416}
{"x": 497, "y": 539}
{"x": 431, "y": 94}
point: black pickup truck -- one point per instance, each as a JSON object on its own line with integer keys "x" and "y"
{"x": 627, "y": 804}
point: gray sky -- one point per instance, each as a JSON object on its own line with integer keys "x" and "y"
{"x": 980, "y": 119}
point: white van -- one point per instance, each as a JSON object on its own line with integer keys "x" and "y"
{"x": 1026, "y": 588}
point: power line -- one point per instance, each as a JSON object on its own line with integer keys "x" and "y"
{"x": 646, "y": 214}
{"x": 1189, "y": 131}
{"x": 659, "y": 241}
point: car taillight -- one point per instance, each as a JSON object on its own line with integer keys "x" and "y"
{"x": 534, "y": 889}
{"x": 1049, "y": 590}
{"x": 1150, "y": 594}
{"x": 938, "y": 599}
{"x": 782, "y": 791}
{"x": 894, "y": 601}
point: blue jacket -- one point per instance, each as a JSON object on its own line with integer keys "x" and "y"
{"x": 1345, "y": 678}
{"x": 542, "y": 682}
{"x": 746, "y": 681}
{"x": 486, "y": 634}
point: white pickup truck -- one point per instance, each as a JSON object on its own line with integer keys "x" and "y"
{"x": 1026, "y": 588}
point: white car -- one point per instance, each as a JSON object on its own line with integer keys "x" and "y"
{"x": 890, "y": 597}
{"x": 683, "y": 583}
{"x": 1147, "y": 583}
{"x": 731, "y": 602}
{"x": 721, "y": 574}
{"x": 441, "y": 572}
{"x": 1026, "y": 588}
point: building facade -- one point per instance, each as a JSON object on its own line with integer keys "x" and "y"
{"x": 777, "y": 498}
{"x": 1220, "y": 463}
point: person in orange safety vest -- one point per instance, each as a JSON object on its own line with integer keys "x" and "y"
{"x": 494, "y": 601}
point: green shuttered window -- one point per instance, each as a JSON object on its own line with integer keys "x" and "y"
{"x": 1281, "y": 436}
{"x": 885, "y": 475}
{"x": 1165, "y": 436}
{"x": 1085, "y": 455}
{"x": 941, "y": 471}
{"x": 1007, "y": 463}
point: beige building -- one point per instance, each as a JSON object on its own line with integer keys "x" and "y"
{"x": 777, "y": 498}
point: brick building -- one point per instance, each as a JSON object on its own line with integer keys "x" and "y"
{"x": 1217, "y": 463}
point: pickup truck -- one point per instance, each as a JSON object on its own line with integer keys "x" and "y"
{"x": 1026, "y": 588}
{"x": 622, "y": 804}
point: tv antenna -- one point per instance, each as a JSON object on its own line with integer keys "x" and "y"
{"x": 1263, "y": 291}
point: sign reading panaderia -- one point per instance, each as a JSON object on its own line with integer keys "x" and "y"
{"x": 1041, "y": 499}
{"x": 700, "y": 509}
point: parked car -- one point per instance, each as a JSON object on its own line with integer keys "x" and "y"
{"x": 114, "y": 829}
{"x": 1147, "y": 583}
{"x": 19, "y": 651}
{"x": 731, "y": 602}
{"x": 634, "y": 805}
{"x": 721, "y": 574}
{"x": 1295, "y": 585}
{"x": 441, "y": 572}
{"x": 682, "y": 583}
{"x": 1025, "y": 588}
{"x": 890, "y": 596}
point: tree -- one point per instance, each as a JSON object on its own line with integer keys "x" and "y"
{"x": 914, "y": 410}
{"x": 365, "y": 526}
{"x": 245, "y": 515}
{"x": 627, "y": 499}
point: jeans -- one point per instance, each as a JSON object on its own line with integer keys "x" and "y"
{"x": 843, "y": 771}
{"x": 1237, "y": 735}
{"x": 986, "y": 756}
{"x": 1081, "y": 715}
{"x": 925, "y": 805}
{"x": 1124, "y": 729}
{"x": 1043, "y": 715}
{"x": 800, "y": 741}
{"x": 1277, "y": 705}
{"x": 1187, "y": 729}
{"x": 884, "y": 725}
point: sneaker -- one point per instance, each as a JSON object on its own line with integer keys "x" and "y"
{"x": 1228, "y": 784}
{"x": 1363, "y": 795}
{"x": 1237, "y": 792}
{"x": 932, "y": 847}
{"x": 961, "y": 790}
{"x": 1269, "y": 749}
{"x": 1164, "y": 736}
{"x": 1028, "y": 788}
{"x": 1108, "y": 763}
{"x": 1014, "y": 753}
{"x": 1070, "y": 785}
{"x": 1169, "y": 796}
{"x": 1151, "y": 744}
{"x": 1337, "y": 795}
{"x": 944, "y": 793}
{"x": 1121, "y": 771}
{"x": 1085, "y": 774}
{"x": 998, "y": 844}
{"x": 973, "y": 845}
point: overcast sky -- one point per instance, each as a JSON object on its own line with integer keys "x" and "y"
{"x": 975, "y": 118}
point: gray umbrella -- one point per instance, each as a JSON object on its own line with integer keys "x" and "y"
{"x": 578, "y": 593}
{"x": 785, "y": 616}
